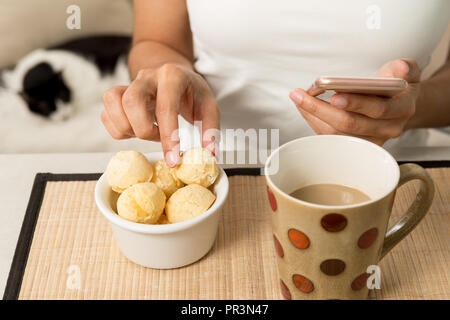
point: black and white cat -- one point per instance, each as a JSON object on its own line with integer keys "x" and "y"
{"x": 54, "y": 82}
{"x": 51, "y": 100}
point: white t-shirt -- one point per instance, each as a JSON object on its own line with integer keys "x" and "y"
{"x": 254, "y": 52}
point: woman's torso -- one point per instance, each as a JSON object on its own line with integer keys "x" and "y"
{"x": 254, "y": 52}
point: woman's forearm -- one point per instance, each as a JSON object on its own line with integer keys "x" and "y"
{"x": 153, "y": 54}
{"x": 433, "y": 102}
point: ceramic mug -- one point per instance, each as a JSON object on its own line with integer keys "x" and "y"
{"x": 323, "y": 251}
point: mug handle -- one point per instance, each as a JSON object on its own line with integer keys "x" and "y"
{"x": 416, "y": 211}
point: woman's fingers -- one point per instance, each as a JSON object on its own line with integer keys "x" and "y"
{"x": 110, "y": 127}
{"x": 138, "y": 105}
{"x": 370, "y": 117}
{"x": 373, "y": 106}
{"x": 172, "y": 84}
{"x": 312, "y": 91}
{"x": 321, "y": 127}
{"x": 407, "y": 69}
{"x": 149, "y": 108}
{"x": 345, "y": 121}
{"x": 176, "y": 91}
{"x": 376, "y": 107}
{"x": 112, "y": 100}
{"x": 209, "y": 115}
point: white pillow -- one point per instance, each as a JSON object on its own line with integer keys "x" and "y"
{"x": 26, "y": 25}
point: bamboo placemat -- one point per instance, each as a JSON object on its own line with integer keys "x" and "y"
{"x": 73, "y": 254}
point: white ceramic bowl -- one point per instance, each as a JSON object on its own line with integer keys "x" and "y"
{"x": 163, "y": 246}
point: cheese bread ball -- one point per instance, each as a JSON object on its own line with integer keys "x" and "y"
{"x": 127, "y": 168}
{"x": 198, "y": 166}
{"x": 188, "y": 202}
{"x": 165, "y": 178}
{"x": 142, "y": 203}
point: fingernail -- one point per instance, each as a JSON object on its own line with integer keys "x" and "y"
{"x": 172, "y": 158}
{"x": 339, "y": 101}
{"x": 408, "y": 66}
{"x": 211, "y": 147}
{"x": 297, "y": 97}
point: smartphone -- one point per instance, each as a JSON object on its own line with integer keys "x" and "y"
{"x": 387, "y": 87}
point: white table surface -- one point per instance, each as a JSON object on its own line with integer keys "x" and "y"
{"x": 17, "y": 173}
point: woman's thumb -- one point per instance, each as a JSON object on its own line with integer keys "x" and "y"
{"x": 407, "y": 69}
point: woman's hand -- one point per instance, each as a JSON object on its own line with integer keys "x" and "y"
{"x": 148, "y": 108}
{"x": 373, "y": 118}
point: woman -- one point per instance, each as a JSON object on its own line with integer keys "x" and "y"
{"x": 189, "y": 57}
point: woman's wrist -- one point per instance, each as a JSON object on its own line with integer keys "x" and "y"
{"x": 433, "y": 101}
{"x": 153, "y": 55}
{"x": 415, "y": 121}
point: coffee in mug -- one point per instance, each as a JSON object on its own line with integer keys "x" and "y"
{"x": 330, "y": 194}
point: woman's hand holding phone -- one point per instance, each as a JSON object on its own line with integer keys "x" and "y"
{"x": 370, "y": 117}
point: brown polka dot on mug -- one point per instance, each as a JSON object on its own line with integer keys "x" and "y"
{"x": 302, "y": 283}
{"x": 278, "y": 248}
{"x": 367, "y": 238}
{"x": 298, "y": 238}
{"x": 360, "y": 281}
{"x": 285, "y": 290}
{"x": 272, "y": 200}
{"x": 333, "y": 222}
{"x": 332, "y": 267}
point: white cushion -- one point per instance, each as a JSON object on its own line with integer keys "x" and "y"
{"x": 26, "y": 25}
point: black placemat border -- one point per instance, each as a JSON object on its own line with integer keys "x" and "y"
{"x": 20, "y": 258}
{"x": 429, "y": 164}
{"x": 18, "y": 265}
